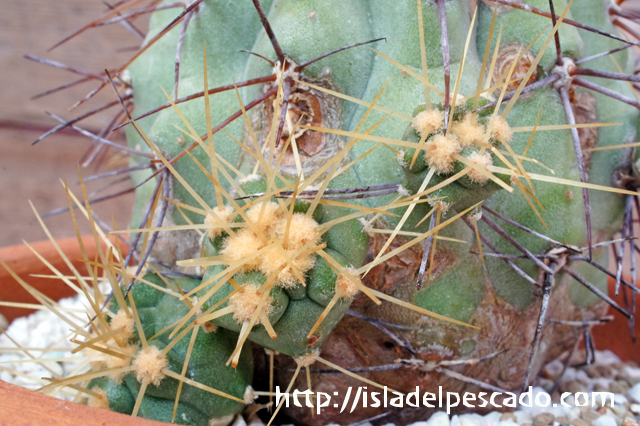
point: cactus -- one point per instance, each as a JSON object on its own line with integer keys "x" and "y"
{"x": 352, "y": 201}
{"x": 203, "y": 355}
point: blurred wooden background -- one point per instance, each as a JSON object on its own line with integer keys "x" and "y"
{"x": 32, "y": 172}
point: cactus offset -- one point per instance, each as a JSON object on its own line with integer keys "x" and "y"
{"x": 202, "y": 352}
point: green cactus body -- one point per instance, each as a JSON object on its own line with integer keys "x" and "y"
{"x": 156, "y": 311}
{"x": 487, "y": 293}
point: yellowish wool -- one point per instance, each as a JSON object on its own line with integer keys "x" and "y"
{"x": 245, "y": 302}
{"x": 459, "y": 98}
{"x": 266, "y": 220}
{"x": 240, "y": 246}
{"x": 482, "y": 160}
{"x": 308, "y": 359}
{"x": 345, "y": 288}
{"x": 443, "y": 206}
{"x": 301, "y": 230}
{"x": 501, "y": 130}
{"x": 428, "y": 122}
{"x": 149, "y": 365}
{"x": 468, "y": 131}
{"x": 96, "y": 363}
{"x": 225, "y": 213}
{"x": 439, "y": 152}
{"x": 125, "y": 323}
{"x": 273, "y": 262}
{"x": 99, "y": 400}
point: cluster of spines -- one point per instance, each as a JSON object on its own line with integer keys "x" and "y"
{"x": 439, "y": 166}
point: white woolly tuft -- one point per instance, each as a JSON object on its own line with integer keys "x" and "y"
{"x": 403, "y": 191}
{"x": 400, "y": 159}
{"x": 366, "y": 226}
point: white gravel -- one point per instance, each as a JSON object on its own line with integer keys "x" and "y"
{"x": 40, "y": 330}
{"x": 634, "y": 393}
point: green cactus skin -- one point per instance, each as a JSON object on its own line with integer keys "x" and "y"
{"x": 226, "y": 28}
{"x": 197, "y": 407}
{"x": 502, "y": 304}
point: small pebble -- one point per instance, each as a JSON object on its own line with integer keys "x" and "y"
{"x": 572, "y": 413}
{"x": 631, "y": 372}
{"x": 629, "y": 422}
{"x": 634, "y": 393}
{"x": 618, "y": 410}
{"x": 523, "y": 416}
{"x": 562, "y": 420}
{"x": 552, "y": 370}
{"x": 579, "y": 422}
{"x": 571, "y": 387}
{"x": 593, "y": 372}
{"x": 544, "y": 419}
{"x": 470, "y": 419}
{"x": 439, "y": 418}
{"x": 607, "y": 357}
{"x": 605, "y": 420}
{"x": 492, "y": 417}
{"x": 621, "y": 376}
{"x": 589, "y": 415}
{"x": 508, "y": 416}
{"x": 620, "y": 399}
{"x": 616, "y": 387}
{"x": 605, "y": 370}
{"x": 635, "y": 408}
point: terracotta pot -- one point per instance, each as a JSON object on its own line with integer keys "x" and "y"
{"x": 24, "y": 263}
{"x": 21, "y": 407}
